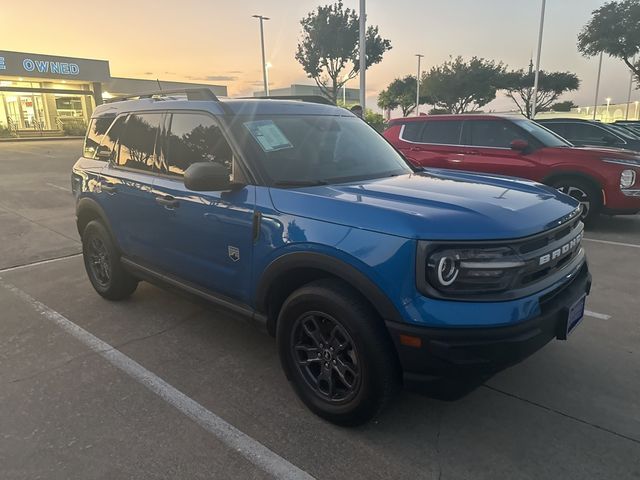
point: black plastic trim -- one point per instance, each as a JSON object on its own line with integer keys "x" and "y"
{"x": 331, "y": 265}
{"x": 156, "y": 276}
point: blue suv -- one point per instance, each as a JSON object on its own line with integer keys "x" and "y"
{"x": 369, "y": 272}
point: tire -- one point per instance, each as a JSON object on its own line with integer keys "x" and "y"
{"x": 336, "y": 353}
{"x": 102, "y": 263}
{"x": 584, "y": 192}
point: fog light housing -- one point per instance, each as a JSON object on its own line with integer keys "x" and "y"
{"x": 627, "y": 178}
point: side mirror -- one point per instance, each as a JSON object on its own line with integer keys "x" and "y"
{"x": 207, "y": 177}
{"x": 103, "y": 152}
{"x": 519, "y": 145}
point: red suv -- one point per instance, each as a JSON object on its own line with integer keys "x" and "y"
{"x": 604, "y": 180}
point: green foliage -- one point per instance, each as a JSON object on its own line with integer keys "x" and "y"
{"x": 518, "y": 85}
{"x": 439, "y": 111}
{"x": 459, "y": 86}
{"x": 614, "y": 29}
{"x": 4, "y": 132}
{"x": 376, "y": 120}
{"x": 328, "y": 49}
{"x": 401, "y": 93}
{"x": 74, "y": 129}
{"x": 565, "y": 106}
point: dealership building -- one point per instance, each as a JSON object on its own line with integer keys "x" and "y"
{"x": 51, "y": 95}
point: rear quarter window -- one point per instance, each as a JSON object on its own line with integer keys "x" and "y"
{"x": 411, "y": 131}
{"x": 95, "y": 132}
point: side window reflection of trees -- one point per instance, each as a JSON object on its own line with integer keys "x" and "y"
{"x": 194, "y": 138}
{"x": 137, "y": 144}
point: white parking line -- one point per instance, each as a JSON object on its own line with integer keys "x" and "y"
{"x": 600, "y": 316}
{"x": 64, "y": 189}
{"x": 608, "y": 242}
{"x": 41, "y": 262}
{"x": 256, "y": 453}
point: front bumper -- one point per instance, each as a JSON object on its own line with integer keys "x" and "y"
{"x": 465, "y": 352}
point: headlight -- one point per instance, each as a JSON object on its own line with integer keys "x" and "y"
{"x": 472, "y": 270}
{"x": 627, "y": 178}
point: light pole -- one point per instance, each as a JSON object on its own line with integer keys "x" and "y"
{"x": 363, "y": 54}
{"x": 537, "y": 74}
{"x": 418, "y": 86}
{"x": 626, "y": 115}
{"x": 264, "y": 61}
{"x": 266, "y": 69}
{"x": 595, "y": 102}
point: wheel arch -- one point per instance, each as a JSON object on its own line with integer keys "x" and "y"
{"x": 87, "y": 210}
{"x": 591, "y": 180}
{"x": 293, "y": 270}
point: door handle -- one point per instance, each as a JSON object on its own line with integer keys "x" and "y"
{"x": 168, "y": 202}
{"x": 108, "y": 188}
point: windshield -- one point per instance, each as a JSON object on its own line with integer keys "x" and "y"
{"x": 542, "y": 134}
{"x": 305, "y": 150}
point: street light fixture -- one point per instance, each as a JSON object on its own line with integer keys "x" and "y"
{"x": 264, "y": 61}
{"x": 418, "y": 85}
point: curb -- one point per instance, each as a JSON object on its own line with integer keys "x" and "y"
{"x": 38, "y": 139}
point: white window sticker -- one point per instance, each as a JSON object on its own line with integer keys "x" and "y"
{"x": 268, "y": 135}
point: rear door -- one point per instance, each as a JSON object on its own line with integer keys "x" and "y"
{"x": 206, "y": 236}
{"x": 488, "y": 148}
{"x": 128, "y": 179}
{"x": 432, "y": 143}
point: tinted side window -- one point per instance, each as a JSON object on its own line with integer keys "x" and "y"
{"x": 194, "y": 138}
{"x": 492, "y": 133}
{"x": 109, "y": 141}
{"x": 583, "y": 132}
{"x": 138, "y": 141}
{"x": 559, "y": 128}
{"x": 442, "y": 131}
{"x": 412, "y": 131}
{"x": 97, "y": 128}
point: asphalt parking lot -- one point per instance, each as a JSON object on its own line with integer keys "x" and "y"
{"x": 144, "y": 387}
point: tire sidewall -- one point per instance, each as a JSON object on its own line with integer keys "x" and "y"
{"x": 92, "y": 230}
{"x": 320, "y": 300}
{"x": 594, "y": 198}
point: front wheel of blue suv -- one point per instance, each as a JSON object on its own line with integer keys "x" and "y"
{"x": 102, "y": 262}
{"x": 336, "y": 353}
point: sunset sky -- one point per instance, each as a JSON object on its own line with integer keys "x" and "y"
{"x": 217, "y": 41}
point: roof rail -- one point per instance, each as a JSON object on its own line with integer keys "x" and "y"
{"x": 300, "y": 98}
{"x": 191, "y": 93}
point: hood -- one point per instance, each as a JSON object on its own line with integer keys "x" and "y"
{"x": 433, "y": 205}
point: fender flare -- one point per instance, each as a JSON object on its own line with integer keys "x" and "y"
{"x": 331, "y": 265}
{"x": 86, "y": 206}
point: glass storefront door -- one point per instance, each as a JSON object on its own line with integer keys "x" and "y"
{"x": 26, "y": 112}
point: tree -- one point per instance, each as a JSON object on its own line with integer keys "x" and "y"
{"x": 376, "y": 120}
{"x": 401, "y": 93}
{"x": 614, "y": 29}
{"x": 458, "y": 86}
{"x": 518, "y": 85}
{"x": 328, "y": 50}
{"x": 565, "y": 106}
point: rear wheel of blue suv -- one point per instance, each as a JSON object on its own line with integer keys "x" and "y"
{"x": 370, "y": 273}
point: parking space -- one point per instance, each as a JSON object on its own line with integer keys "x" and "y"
{"x": 68, "y": 410}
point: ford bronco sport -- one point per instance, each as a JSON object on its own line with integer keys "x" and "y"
{"x": 369, "y": 272}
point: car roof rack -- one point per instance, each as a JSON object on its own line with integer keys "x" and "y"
{"x": 193, "y": 94}
{"x": 301, "y": 98}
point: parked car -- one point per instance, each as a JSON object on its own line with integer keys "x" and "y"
{"x": 633, "y": 125}
{"x": 300, "y": 217}
{"x": 603, "y": 180}
{"x": 591, "y": 133}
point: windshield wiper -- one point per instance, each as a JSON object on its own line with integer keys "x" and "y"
{"x": 300, "y": 183}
